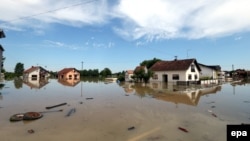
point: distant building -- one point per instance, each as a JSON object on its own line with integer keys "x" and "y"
{"x": 2, "y": 35}
{"x": 69, "y": 74}
{"x": 35, "y": 73}
{"x": 128, "y": 75}
{"x": 212, "y": 72}
{"x": 176, "y": 71}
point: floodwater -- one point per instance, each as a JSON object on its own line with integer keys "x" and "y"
{"x": 122, "y": 112}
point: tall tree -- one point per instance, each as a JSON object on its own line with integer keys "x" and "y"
{"x": 149, "y": 63}
{"x": 105, "y": 72}
{"x": 19, "y": 69}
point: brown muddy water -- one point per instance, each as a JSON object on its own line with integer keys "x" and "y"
{"x": 122, "y": 112}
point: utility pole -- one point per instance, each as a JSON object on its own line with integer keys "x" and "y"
{"x": 80, "y": 77}
{"x": 187, "y": 52}
{"x": 82, "y": 65}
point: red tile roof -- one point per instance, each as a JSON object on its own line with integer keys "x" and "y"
{"x": 66, "y": 70}
{"x": 130, "y": 71}
{"x": 31, "y": 69}
{"x": 174, "y": 65}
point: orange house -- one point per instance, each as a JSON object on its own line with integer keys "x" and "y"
{"x": 69, "y": 74}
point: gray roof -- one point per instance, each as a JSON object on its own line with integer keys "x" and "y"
{"x": 215, "y": 67}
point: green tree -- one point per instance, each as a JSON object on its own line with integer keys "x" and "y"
{"x": 138, "y": 74}
{"x": 19, "y": 69}
{"x": 146, "y": 76}
{"x": 121, "y": 76}
{"x": 105, "y": 72}
{"x": 142, "y": 75}
{"x": 149, "y": 63}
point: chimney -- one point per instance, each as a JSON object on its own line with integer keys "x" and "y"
{"x": 175, "y": 58}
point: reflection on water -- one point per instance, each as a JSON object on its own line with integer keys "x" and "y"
{"x": 170, "y": 93}
{"x": 105, "y": 112}
{"x": 69, "y": 82}
{"x": 35, "y": 84}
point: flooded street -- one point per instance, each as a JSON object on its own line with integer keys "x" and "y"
{"x": 124, "y": 112}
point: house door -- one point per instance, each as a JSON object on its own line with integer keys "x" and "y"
{"x": 165, "y": 78}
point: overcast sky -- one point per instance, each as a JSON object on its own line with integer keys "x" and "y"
{"x": 119, "y": 34}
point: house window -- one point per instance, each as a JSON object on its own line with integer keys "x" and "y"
{"x": 155, "y": 76}
{"x": 76, "y": 77}
{"x": 192, "y": 68}
{"x": 190, "y": 77}
{"x": 195, "y": 77}
{"x": 175, "y": 77}
{"x": 70, "y": 77}
{"x": 33, "y": 77}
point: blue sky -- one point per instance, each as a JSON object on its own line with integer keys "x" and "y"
{"x": 119, "y": 34}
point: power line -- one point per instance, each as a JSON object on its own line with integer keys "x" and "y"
{"x": 49, "y": 11}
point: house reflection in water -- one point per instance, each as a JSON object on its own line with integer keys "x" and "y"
{"x": 36, "y": 84}
{"x": 171, "y": 93}
{"x": 69, "y": 82}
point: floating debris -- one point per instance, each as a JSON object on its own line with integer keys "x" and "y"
{"x": 31, "y": 131}
{"x": 131, "y": 128}
{"x": 214, "y": 115}
{"x": 213, "y": 106}
{"x": 126, "y": 94}
{"x": 89, "y": 98}
{"x": 81, "y": 102}
{"x": 154, "y": 138}
{"x": 246, "y": 101}
{"x": 51, "y": 111}
{"x": 50, "y": 107}
{"x": 73, "y": 110}
{"x": 32, "y": 115}
{"x": 183, "y": 129}
{"x": 210, "y": 111}
{"x": 26, "y": 116}
{"x": 17, "y": 117}
{"x": 210, "y": 102}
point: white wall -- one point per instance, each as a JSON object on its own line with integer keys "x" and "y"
{"x": 128, "y": 77}
{"x": 208, "y": 72}
{"x": 183, "y": 75}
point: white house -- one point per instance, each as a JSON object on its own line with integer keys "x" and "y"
{"x": 176, "y": 71}
{"x": 210, "y": 71}
{"x": 35, "y": 73}
{"x": 128, "y": 75}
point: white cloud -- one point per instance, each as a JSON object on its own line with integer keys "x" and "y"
{"x": 74, "y": 13}
{"x": 237, "y": 38}
{"x": 148, "y": 19}
{"x": 164, "y": 19}
{"x": 57, "y": 44}
{"x": 54, "y": 43}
